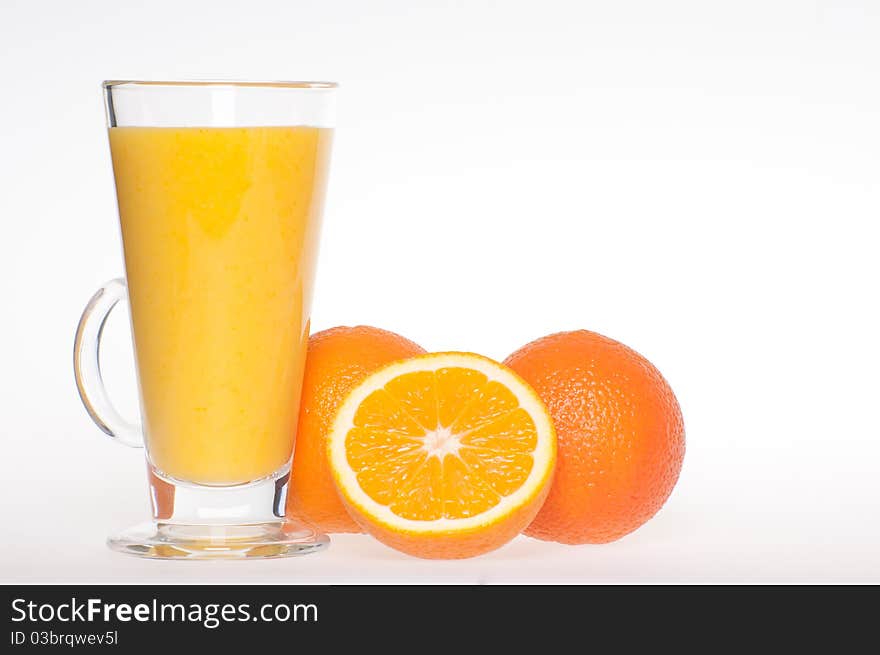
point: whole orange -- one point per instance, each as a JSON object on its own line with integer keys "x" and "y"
{"x": 337, "y": 360}
{"x": 620, "y": 435}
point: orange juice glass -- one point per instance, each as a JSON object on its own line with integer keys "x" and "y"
{"x": 220, "y": 188}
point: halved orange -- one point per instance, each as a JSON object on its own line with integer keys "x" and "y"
{"x": 447, "y": 455}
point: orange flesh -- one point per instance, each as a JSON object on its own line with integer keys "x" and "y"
{"x": 482, "y": 443}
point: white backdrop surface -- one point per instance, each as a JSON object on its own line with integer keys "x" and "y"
{"x": 696, "y": 179}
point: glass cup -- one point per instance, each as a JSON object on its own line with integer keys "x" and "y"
{"x": 220, "y": 188}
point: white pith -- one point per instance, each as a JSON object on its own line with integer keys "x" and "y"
{"x": 442, "y": 441}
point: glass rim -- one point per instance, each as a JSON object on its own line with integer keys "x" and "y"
{"x": 268, "y": 84}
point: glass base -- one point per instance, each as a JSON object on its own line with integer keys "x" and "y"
{"x": 200, "y": 522}
{"x": 157, "y": 540}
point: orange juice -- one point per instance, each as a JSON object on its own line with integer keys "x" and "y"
{"x": 220, "y": 231}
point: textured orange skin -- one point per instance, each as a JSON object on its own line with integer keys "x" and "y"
{"x": 620, "y": 436}
{"x": 337, "y": 359}
{"x": 459, "y": 545}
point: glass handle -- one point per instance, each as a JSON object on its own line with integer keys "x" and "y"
{"x": 87, "y": 366}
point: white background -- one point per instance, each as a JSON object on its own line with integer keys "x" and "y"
{"x": 697, "y": 179}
